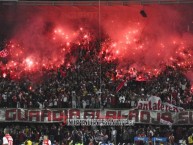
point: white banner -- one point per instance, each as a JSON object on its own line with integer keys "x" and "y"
{"x": 61, "y": 115}
{"x": 155, "y": 104}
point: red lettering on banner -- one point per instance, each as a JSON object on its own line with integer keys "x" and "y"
{"x": 65, "y": 114}
{"x": 65, "y": 117}
{"x": 175, "y": 109}
{"x": 90, "y": 114}
{"x": 159, "y": 104}
{"x": 170, "y": 108}
{"x": 162, "y": 107}
{"x": 154, "y": 117}
{"x": 155, "y": 103}
{"x": 46, "y": 114}
{"x": 98, "y": 112}
{"x": 74, "y": 113}
{"x": 183, "y": 118}
{"x": 134, "y": 114}
{"x": 34, "y": 114}
{"x": 58, "y": 115}
{"x": 155, "y": 106}
{"x": 22, "y": 115}
{"x": 150, "y": 108}
{"x": 167, "y": 116}
{"x": 157, "y": 120}
{"x": 119, "y": 115}
{"x": 125, "y": 114}
{"x": 166, "y": 108}
{"x": 10, "y": 114}
{"x": 140, "y": 106}
{"x": 145, "y": 107}
{"x": 111, "y": 114}
{"x": 145, "y": 116}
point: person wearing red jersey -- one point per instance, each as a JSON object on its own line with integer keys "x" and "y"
{"x": 7, "y": 139}
{"x": 46, "y": 141}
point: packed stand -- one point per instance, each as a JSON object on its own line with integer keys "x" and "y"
{"x": 91, "y": 82}
{"x": 65, "y": 135}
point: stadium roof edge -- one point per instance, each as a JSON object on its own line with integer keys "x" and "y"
{"x": 94, "y": 2}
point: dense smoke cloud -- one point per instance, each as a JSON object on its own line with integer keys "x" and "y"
{"x": 152, "y": 41}
{"x": 148, "y": 44}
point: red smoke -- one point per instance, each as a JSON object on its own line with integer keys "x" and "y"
{"x": 44, "y": 36}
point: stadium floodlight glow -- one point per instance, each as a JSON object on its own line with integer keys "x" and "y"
{"x": 143, "y": 13}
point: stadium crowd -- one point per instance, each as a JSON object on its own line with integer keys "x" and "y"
{"x": 66, "y": 135}
{"x": 92, "y": 83}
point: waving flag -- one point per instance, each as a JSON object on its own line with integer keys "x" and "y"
{"x": 120, "y": 86}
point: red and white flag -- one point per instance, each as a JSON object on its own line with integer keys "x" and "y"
{"x": 120, "y": 86}
{"x": 4, "y": 53}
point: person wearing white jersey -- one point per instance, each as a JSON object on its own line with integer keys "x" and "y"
{"x": 46, "y": 141}
{"x": 7, "y": 139}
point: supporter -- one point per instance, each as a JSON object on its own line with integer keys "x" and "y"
{"x": 7, "y": 139}
{"x": 91, "y": 142}
{"x": 96, "y": 135}
{"x": 190, "y": 139}
{"x": 84, "y": 85}
{"x": 81, "y": 83}
{"x": 46, "y": 141}
{"x": 28, "y": 142}
{"x": 125, "y": 136}
{"x": 171, "y": 139}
